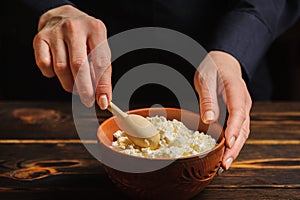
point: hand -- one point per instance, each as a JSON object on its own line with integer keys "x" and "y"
{"x": 66, "y": 36}
{"x": 220, "y": 74}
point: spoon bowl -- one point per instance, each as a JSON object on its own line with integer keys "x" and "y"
{"x": 138, "y": 129}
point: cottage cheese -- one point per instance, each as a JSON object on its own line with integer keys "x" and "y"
{"x": 176, "y": 141}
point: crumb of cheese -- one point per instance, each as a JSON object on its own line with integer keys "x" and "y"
{"x": 176, "y": 141}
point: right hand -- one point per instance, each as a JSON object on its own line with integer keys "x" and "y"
{"x": 220, "y": 74}
{"x": 65, "y": 38}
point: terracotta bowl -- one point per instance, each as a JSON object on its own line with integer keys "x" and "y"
{"x": 182, "y": 178}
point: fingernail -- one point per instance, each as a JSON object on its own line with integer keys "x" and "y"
{"x": 209, "y": 116}
{"x": 220, "y": 171}
{"x": 103, "y": 102}
{"x": 228, "y": 163}
{"x": 231, "y": 142}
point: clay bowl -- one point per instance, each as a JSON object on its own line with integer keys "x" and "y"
{"x": 144, "y": 178}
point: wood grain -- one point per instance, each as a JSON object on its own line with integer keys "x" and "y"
{"x": 39, "y": 160}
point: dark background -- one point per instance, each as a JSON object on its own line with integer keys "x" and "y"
{"x": 20, "y": 78}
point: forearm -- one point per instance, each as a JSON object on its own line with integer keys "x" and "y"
{"x": 247, "y": 31}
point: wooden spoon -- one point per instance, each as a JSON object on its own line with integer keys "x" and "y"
{"x": 137, "y": 128}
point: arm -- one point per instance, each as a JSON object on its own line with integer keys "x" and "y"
{"x": 241, "y": 39}
{"x": 250, "y": 26}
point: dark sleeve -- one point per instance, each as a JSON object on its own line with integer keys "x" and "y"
{"x": 250, "y": 26}
{"x": 42, "y": 6}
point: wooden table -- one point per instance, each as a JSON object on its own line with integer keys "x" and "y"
{"x": 43, "y": 157}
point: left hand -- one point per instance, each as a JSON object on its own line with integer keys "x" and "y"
{"x": 220, "y": 74}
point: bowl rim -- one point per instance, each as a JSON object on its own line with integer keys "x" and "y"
{"x": 201, "y": 155}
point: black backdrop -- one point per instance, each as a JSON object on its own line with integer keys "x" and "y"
{"x": 20, "y": 78}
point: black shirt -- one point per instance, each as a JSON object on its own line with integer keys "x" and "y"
{"x": 242, "y": 28}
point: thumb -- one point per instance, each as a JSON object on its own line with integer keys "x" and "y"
{"x": 104, "y": 90}
{"x": 101, "y": 61}
{"x": 205, "y": 82}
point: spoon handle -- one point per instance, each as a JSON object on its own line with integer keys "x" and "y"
{"x": 115, "y": 110}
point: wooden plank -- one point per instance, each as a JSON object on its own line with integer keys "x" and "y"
{"x": 16, "y": 124}
{"x": 107, "y": 191}
{"x": 255, "y": 165}
{"x": 276, "y": 120}
{"x": 55, "y": 157}
{"x": 41, "y": 120}
{"x": 273, "y": 107}
{"x": 255, "y": 178}
{"x": 278, "y": 123}
{"x": 249, "y": 194}
{"x": 48, "y": 160}
{"x": 279, "y": 132}
{"x": 207, "y": 194}
{"x": 252, "y": 152}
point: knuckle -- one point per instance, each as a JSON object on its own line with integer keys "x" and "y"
{"x": 205, "y": 83}
{"x": 245, "y": 135}
{"x": 37, "y": 39}
{"x": 70, "y": 25}
{"x": 103, "y": 70}
{"x": 103, "y": 86}
{"x": 245, "y": 132}
{"x": 98, "y": 25}
{"x": 86, "y": 93}
{"x": 103, "y": 77}
{"x": 104, "y": 62}
{"x": 199, "y": 77}
{"x": 77, "y": 63}
{"x": 60, "y": 67}
{"x": 206, "y": 101}
{"x": 42, "y": 63}
{"x": 240, "y": 112}
{"x": 103, "y": 89}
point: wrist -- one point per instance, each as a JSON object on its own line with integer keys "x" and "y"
{"x": 225, "y": 60}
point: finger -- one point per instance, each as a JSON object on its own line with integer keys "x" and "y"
{"x": 61, "y": 65}
{"x": 232, "y": 153}
{"x": 80, "y": 69}
{"x": 205, "y": 82}
{"x": 237, "y": 109}
{"x": 43, "y": 56}
{"x": 101, "y": 62}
